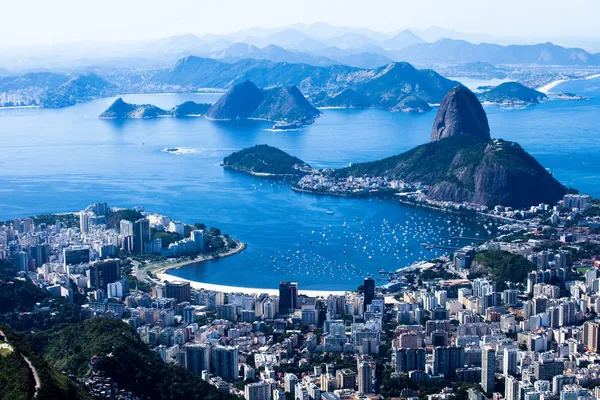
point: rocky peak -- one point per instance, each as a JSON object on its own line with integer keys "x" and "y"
{"x": 460, "y": 113}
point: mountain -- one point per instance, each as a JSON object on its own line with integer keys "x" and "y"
{"x": 266, "y": 160}
{"x": 240, "y": 51}
{"x": 111, "y": 347}
{"x": 31, "y": 80}
{"x": 462, "y": 163}
{"x": 347, "y": 98}
{"x": 460, "y": 113}
{"x": 16, "y": 375}
{"x": 122, "y": 110}
{"x": 401, "y": 40}
{"x": 119, "y": 109}
{"x": 460, "y": 51}
{"x": 384, "y": 87}
{"x": 364, "y": 60}
{"x": 512, "y": 93}
{"x": 282, "y": 104}
{"x": 78, "y": 89}
{"x": 189, "y": 109}
{"x": 349, "y": 40}
{"x": 412, "y": 104}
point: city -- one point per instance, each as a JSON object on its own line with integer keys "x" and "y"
{"x": 446, "y": 329}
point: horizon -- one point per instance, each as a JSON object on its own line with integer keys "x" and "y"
{"x": 57, "y": 23}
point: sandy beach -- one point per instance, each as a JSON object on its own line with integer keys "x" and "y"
{"x": 546, "y": 88}
{"x": 236, "y": 289}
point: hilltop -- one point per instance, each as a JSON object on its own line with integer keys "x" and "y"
{"x": 266, "y": 160}
{"x": 462, "y": 163}
{"x": 247, "y": 101}
{"x": 122, "y": 110}
{"x": 512, "y": 93}
{"x": 382, "y": 87}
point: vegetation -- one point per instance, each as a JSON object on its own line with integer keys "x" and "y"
{"x": 265, "y": 159}
{"x": 16, "y": 382}
{"x": 126, "y": 359}
{"x": 17, "y": 379}
{"x": 512, "y": 92}
{"x": 114, "y": 218}
{"x": 68, "y": 220}
{"x": 502, "y": 266}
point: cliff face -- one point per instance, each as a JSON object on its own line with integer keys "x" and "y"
{"x": 462, "y": 163}
{"x": 238, "y": 103}
{"x": 460, "y": 113}
{"x": 246, "y": 100}
{"x": 505, "y": 175}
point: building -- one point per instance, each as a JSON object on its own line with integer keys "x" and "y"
{"x": 141, "y": 235}
{"x": 446, "y": 359}
{"x": 488, "y": 369}
{"x": 76, "y": 255}
{"x": 197, "y": 237}
{"x": 406, "y": 360}
{"x": 290, "y": 381}
{"x": 288, "y": 297}
{"x": 257, "y": 391}
{"x": 591, "y": 336}
{"x": 547, "y": 367}
{"x": 369, "y": 292}
{"x": 178, "y": 290}
{"x": 104, "y": 272}
{"x": 345, "y": 379}
{"x": 225, "y": 362}
{"x": 510, "y": 361}
{"x": 366, "y": 375}
{"x": 197, "y": 357}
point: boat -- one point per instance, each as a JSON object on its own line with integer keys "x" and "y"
{"x": 330, "y": 212}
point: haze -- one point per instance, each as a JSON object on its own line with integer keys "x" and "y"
{"x": 43, "y": 22}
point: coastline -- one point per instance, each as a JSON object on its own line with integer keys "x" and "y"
{"x": 546, "y": 88}
{"x": 238, "y": 289}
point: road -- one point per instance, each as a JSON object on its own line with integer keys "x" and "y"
{"x": 36, "y": 377}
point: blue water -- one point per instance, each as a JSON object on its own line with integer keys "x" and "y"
{"x": 62, "y": 160}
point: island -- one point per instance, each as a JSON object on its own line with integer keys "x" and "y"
{"x": 412, "y": 104}
{"x": 265, "y": 160}
{"x": 512, "y": 93}
{"x": 123, "y": 110}
{"x": 461, "y": 164}
{"x": 570, "y": 96}
{"x": 281, "y": 105}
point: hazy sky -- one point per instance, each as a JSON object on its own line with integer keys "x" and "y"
{"x": 53, "y": 21}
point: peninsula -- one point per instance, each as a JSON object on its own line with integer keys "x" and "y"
{"x": 512, "y": 93}
{"x": 461, "y": 164}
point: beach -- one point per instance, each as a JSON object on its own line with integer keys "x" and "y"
{"x": 236, "y": 289}
{"x": 546, "y": 88}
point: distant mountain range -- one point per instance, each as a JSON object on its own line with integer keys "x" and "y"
{"x": 315, "y": 44}
{"x": 459, "y": 51}
{"x": 383, "y": 87}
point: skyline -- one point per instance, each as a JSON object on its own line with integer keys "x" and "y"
{"x": 69, "y": 22}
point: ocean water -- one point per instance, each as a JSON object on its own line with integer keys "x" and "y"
{"x": 62, "y": 160}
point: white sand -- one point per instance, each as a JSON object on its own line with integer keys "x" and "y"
{"x": 546, "y": 88}
{"x": 236, "y": 289}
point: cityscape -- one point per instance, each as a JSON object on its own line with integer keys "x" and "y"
{"x": 300, "y": 201}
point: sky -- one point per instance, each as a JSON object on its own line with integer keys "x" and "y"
{"x": 30, "y": 22}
